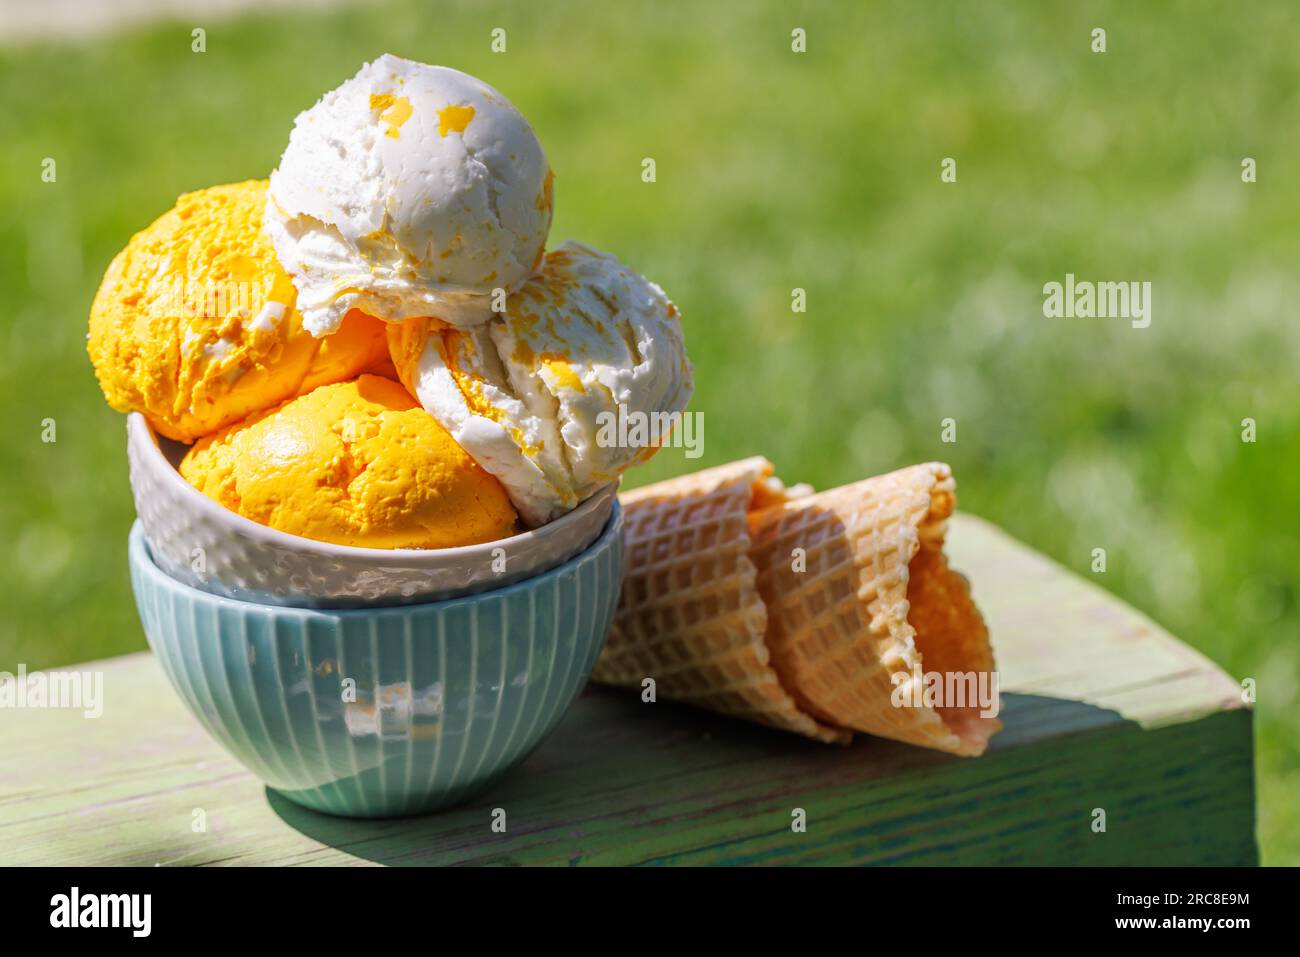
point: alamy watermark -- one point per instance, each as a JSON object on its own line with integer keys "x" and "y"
{"x": 82, "y": 690}
{"x": 1084, "y": 299}
{"x": 947, "y": 689}
{"x": 626, "y": 429}
{"x": 186, "y": 299}
{"x": 133, "y": 912}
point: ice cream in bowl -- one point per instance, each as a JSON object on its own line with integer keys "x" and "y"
{"x": 365, "y": 406}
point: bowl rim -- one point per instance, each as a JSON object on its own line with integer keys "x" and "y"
{"x": 144, "y": 439}
{"x": 139, "y": 558}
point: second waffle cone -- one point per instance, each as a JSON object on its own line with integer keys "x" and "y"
{"x": 861, "y": 603}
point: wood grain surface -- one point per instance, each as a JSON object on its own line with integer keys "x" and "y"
{"x": 1103, "y": 710}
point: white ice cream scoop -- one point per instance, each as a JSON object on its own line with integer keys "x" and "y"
{"x": 583, "y": 376}
{"x": 411, "y": 190}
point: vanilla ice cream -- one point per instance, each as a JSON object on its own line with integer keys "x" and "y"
{"x": 411, "y": 190}
{"x": 579, "y": 379}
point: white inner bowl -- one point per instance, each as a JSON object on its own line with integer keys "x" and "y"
{"x": 201, "y": 543}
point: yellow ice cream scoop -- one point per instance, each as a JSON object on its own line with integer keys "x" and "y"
{"x": 353, "y": 463}
{"x": 195, "y": 323}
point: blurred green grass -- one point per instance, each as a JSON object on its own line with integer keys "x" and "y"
{"x": 776, "y": 171}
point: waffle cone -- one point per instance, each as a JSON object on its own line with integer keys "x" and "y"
{"x": 690, "y": 615}
{"x": 872, "y": 608}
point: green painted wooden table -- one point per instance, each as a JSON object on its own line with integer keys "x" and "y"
{"x": 1103, "y": 710}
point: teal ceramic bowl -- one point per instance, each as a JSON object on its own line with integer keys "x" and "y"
{"x": 382, "y": 712}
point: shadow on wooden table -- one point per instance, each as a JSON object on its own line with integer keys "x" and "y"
{"x": 621, "y": 782}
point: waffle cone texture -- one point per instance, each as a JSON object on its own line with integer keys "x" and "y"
{"x": 817, "y": 614}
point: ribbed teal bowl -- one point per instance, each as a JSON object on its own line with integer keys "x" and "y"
{"x": 380, "y": 712}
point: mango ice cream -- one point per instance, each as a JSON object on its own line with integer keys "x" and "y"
{"x": 195, "y": 324}
{"x": 353, "y": 463}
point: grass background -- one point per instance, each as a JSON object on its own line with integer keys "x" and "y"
{"x": 778, "y": 170}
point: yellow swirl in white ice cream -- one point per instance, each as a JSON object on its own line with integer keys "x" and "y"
{"x": 411, "y": 190}
{"x": 536, "y": 395}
